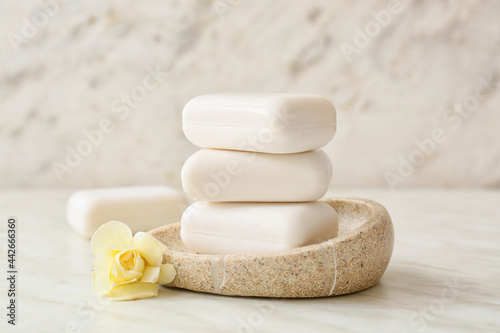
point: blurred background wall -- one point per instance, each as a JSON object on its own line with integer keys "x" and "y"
{"x": 91, "y": 92}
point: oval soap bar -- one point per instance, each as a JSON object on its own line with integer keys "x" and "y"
{"x": 223, "y": 175}
{"x": 266, "y": 123}
{"x": 225, "y": 228}
{"x": 142, "y": 208}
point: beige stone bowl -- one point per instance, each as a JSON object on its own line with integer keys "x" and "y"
{"x": 353, "y": 261}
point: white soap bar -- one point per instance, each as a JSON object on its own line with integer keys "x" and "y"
{"x": 224, "y": 228}
{"x": 267, "y": 123}
{"x": 142, "y": 208}
{"x": 228, "y": 175}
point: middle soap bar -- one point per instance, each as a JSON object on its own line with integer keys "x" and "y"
{"x": 224, "y": 175}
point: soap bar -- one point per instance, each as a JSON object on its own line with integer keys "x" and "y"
{"x": 225, "y": 228}
{"x": 265, "y": 123}
{"x": 142, "y": 208}
{"x": 226, "y": 175}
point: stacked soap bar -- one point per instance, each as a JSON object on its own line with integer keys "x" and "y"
{"x": 260, "y": 174}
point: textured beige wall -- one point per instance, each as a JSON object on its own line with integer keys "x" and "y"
{"x": 416, "y": 90}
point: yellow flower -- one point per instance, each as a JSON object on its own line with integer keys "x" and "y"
{"x": 126, "y": 267}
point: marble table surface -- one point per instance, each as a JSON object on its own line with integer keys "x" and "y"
{"x": 444, "y": 276}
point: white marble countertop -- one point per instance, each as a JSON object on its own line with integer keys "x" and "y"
{"x": 444, "y": 276}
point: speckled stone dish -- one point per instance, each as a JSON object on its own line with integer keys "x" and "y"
{"x": 353, "y": 261}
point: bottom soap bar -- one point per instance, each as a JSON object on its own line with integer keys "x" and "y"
{"x": 225, "y": 228}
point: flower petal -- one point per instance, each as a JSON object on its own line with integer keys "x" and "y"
{"x": 149, "y": 248}
{"x": 117, "y": 248}
{"x": 101, "y": 281}
{"x": 164, "y": 248}
{"x": 132, "y": 291}
{"x": 120, "y": 274}
{"x": 103, "y": 264}
{"x": 151, "y": 274}
{"x": 113, "y": 232}
{"x": 167, "y": 274}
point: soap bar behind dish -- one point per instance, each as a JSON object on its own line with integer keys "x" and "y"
{"x": 140, "y": 207}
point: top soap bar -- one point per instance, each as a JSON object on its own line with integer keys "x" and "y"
{"x": 264, "y": 123}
